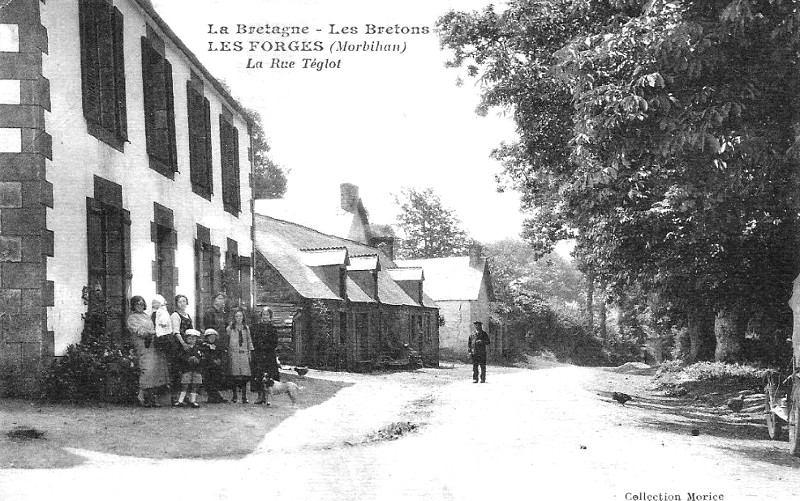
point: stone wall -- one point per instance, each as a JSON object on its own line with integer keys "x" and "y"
{"x": 25, "y": 194}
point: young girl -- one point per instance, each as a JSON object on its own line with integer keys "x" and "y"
{"x": 181, "y": 322}
{"x": 214, "y": 367}
{"x": 239, "y": 354}
{"x": 162, "y": 324}
{"x": 191, "y": 364}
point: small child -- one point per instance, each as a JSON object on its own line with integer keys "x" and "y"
{"x": 213, "y": 369}
{"x": 190, "y": 364}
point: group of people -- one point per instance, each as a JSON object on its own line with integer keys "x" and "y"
{"x": 228, "y": 354}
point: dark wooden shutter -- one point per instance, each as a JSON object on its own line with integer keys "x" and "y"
{"x": 207, "y": 136}
{"x": 196, "y": 171}
{"x": 119, "y": 76}
{"x": 224, "y": 151}
{"x": 90, "y": 74}
{"x": 149, "y": 105}
{"x": 237, "y": 191}
{"x": 198, "y": 150}
{"x": 169, "y": 102}
{"x": 94, "y": 234}
{"x": 105, "y": 52}
{"x": 216, "y": 271}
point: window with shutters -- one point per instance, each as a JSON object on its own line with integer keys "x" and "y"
{"x": 164, "y": 270}
{"x": 159, "y": 109}
{"x": 103, "y": 72}
{"x": 108, "y": 237}
{"x": 229, "y": 150}
{"x": 199, "y": 112}
{"x": 207, "y": 275}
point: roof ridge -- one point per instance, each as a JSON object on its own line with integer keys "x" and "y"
{"x": 311, "y": 229}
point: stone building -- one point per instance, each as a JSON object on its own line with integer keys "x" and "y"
{"x": 350, "y": 309}
{"x": 462, "y": 289}
{"x": 124, "y": 169}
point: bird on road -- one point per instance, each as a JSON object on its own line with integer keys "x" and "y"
{"x": 301, "y": 371}
{"x": 621, "y": 397}
{"x": 736, "y": 404}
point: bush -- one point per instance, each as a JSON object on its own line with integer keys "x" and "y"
{"x": 93, "y": 370}
{"x": 707, "y": 371}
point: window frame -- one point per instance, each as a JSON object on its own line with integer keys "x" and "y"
{"x": 101, "y": 33}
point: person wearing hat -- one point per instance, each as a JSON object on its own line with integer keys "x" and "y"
{"x": 191, "y": 362}
{"x": 213, "y": 367}
{"x": 476, "y": 345}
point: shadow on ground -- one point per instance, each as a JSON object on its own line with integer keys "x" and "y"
{"x": 212, "y": 431}
{"x": 742, "y": 434}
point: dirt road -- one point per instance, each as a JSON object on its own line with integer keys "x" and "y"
{"x": 526, "y": 434}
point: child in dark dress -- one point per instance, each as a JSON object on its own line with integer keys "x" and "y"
{"x": 213, "y": 367}
{"x": 191, "y": 362}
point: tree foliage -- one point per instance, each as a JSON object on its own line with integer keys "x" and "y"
{"x": 661, "y": 134}
{"x": 269, "y": 179}
{"x": 431, "y": 229}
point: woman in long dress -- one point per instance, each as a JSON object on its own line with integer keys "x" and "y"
{"x": 264, "y": 358}
{"x": 152, "y": 362}
{"x": 241, "y": 344}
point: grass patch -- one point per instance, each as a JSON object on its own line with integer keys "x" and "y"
{"x": 711, "y": 382}
{"x": 392, "y": 431}
{"x": 212, "y": 431}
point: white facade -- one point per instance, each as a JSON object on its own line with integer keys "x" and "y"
{"x": 79, "y": 156}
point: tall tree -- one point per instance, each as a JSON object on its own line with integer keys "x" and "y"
{"x": 661, "y": 134}
{"x": 269, "y": 179}
{"x": 431, "y": 229}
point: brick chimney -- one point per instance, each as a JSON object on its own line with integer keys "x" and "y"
{"x": 475, "y": 253}
{"x": 349, "y": 197}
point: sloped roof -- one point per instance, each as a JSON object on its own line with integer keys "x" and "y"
{"x": 288, "y": 261}
{"x": 452, "y": 278}
{"x": 324, "y": 215}
{"x": 282, "y": 243}
{"x": 389, "y": 292}
{"x": 303, "y": 237}
{"x": 356, "y": 293}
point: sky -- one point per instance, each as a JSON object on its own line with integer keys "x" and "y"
{"x": 379, "y": 120}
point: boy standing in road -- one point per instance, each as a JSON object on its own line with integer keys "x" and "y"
{"x": 477, "y": 351}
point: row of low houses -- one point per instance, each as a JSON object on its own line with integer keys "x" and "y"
{"x": 125, "y": 168}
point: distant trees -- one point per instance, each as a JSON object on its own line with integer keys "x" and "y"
{"x": 430, "y": 229}
{"x": 663, "y": 137}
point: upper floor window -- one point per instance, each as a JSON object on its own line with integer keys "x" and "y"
{"x": 229, "y": 149}
{"x": 103, "y": 71}
{"x": 199, "y": 112}
{"x": 159, "y": 109}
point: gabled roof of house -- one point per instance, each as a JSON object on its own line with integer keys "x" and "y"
{"x": 356, "y": 293}
{"x": 325, "y": 215}
{"x": 288, "y": 261}
{"x": 452, "y": 278}
{"x": 286, "y": 246}
{"x": 389, "y": 292}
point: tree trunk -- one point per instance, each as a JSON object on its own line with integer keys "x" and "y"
{"x": 729, "y": 331}
{"x": 601, "y": 313}
{"x": 700, "y": 335}
{"x": 590, "y": 300}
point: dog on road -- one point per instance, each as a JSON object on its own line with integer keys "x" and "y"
{"x": 270, "y": 387}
